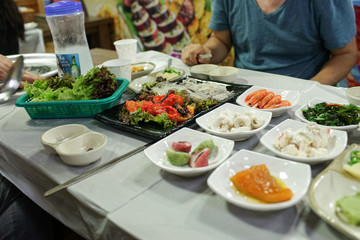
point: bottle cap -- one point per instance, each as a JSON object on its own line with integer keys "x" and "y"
{"x": 63, "y": 8}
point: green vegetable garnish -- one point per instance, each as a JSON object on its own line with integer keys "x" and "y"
{"x": 333, "y": 114}
{"x": 98, "y": 83}
{"x": 354, "y": 157}
{"x": 171, "y": 70}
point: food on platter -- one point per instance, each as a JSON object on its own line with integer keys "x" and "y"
{"x": 229, "y": 121}
{"x": 165, "y": 110}
{"x": 203, "y": 96}
{"x": 179, "y": 153}
{"x": 168, "y": 104}
{"x": 352, "y": 166}
{"x": 348, "y": 209}
{"x": 308, "y": 141}
{"x": 205, "y": 92}
{"x": 258, "y": 183}
{"x": 98, "y": 83}
{"x": 169, "y": 73}
{"x": 137, "y": 68}
{"x": 333, "y": 114}
{"x": 264, "y": 99}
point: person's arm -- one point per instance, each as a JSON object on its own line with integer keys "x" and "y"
{"x": 340, "y": 64}
{"x": 5, "y": 64}
{"x": 218, "y": 45}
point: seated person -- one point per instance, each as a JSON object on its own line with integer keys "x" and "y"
{"x": 304, "y": 39}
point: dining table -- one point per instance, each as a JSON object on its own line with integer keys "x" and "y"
{"x": 135, "y": 199}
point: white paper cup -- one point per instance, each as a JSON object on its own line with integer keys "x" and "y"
{"x": 126, "y": 49}
{"x": 121, "y": 68}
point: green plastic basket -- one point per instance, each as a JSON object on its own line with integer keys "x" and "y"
{"x": 71, "y": 109}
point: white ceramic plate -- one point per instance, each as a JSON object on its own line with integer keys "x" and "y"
{"x": 148, "y": 67}
{"x": 296, "y": 177}
{"x": 205, "y": 120}
{"x": 337, "y": 142}
{"x": 157, "y": 152}
{"x": 315, "y": 101}
{"x": 329, "y": 186}
{"x": 43, "y": 64}
{"x": 290, "y": 95}
{"x": 136, "y": 84}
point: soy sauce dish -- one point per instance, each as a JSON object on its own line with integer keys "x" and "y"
{"x": 214, "y": 72}
{"x": 75, "y": 144}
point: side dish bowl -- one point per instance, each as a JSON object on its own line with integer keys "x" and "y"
{"x": 336, "y": 145}
{"x": 136, "y": 84}
{"x": 353, "y": 95}
{"x": 148, "y": 68}
{"x": 292, "y": 96}
{"x": 205, "y": 121}
{"x": 299, "y": 114}
{"x": 157, "y": 152}
{"x": 295, "y": 176}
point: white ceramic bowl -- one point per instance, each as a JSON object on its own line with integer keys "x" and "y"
{"x": 353, "y": 95}
{"x": 315, "y": 101}
{"x": 296, "y": 177}
{"x": 53, "y": 137}
{"x": 148, "y": 67}
{"x": 75, "y": 144}
{"x": 157, "y": 152}
{"x": 202, "y": 70}
{"x": 224, "y": 74}
{"x": 336, "y": 145}
{"x": 205, "y": 120}
{"x": 136, "y": 84}
{"x": 292, "y": 96}
{"x": 82, "y": 150}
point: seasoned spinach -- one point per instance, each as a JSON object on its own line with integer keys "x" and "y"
{"x": 333, "y": 114}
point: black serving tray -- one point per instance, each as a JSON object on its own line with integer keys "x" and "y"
{"x": 153, "y": 131}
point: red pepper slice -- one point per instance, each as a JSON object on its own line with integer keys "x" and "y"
{"x": 172, "y": 99}
{"x": 170, "y": 111}
{"x": 131, "y": 106}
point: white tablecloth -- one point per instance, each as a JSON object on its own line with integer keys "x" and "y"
{"x": 134, "y": 198}
{"x": 33, "y": 43}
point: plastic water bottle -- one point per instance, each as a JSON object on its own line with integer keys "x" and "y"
{"x": 66, "y": 22}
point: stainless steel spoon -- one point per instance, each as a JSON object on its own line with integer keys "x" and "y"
{"x": 169, "y": 62}
{"x": 12, "y": 80}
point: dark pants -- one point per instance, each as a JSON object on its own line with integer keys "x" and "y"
{"x": 21, "y": 218}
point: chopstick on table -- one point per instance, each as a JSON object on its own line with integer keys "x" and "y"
{"x": 95, "y": 170}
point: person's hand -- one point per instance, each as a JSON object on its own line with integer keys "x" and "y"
{"x": 6, "y": 63}
{"x": 190, "y": 54}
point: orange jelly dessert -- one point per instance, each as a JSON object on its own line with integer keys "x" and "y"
{"x": 258, "y": 183}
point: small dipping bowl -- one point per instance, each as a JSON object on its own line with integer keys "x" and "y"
{"x": 353, "y": 95}
{"x": 74, "y": 143}
{"x": 224, "y": 74}
{"x": 82, "y": 150}
{"x": 202, "y": 70}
